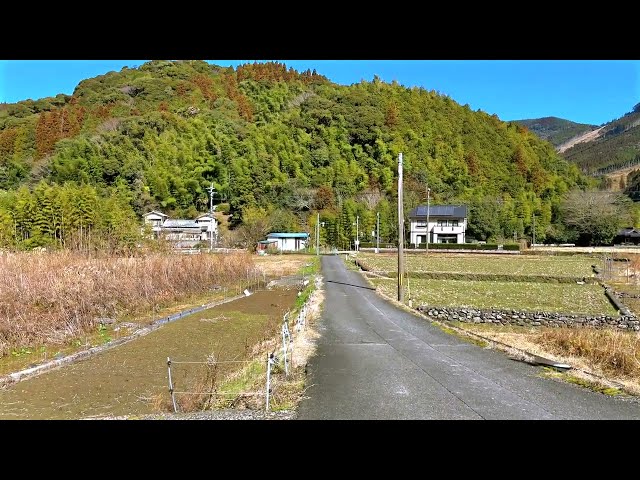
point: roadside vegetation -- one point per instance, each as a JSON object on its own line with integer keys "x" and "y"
{"x": 612, "y": 354}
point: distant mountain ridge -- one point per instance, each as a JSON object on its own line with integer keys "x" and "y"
{"x": 556, "y": 130}
{"x": 616, "y": 147}
{"x": 612, "y": 148}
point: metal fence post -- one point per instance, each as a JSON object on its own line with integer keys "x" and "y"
{"x": 284, "y": 350}
{"x": 173, "y": 397}
{"x": 269, "y": 361}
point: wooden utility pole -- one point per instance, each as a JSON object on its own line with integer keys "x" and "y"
{"x": 400, "y": 233}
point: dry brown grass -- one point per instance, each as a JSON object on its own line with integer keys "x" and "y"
{"x": 608, "y": 354}
{"x": 52, "y": 297}
{"x": 612, "y": 352}
{"x": 280, "y": 265}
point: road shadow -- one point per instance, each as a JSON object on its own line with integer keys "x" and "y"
{"x": 350, "y": 285}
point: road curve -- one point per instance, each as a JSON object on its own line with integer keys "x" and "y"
{"x": 375, "y": 361}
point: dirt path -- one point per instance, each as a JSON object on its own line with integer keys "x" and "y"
{"x": 585, "y": 137}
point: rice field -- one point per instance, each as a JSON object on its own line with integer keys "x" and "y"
{"x": 569, "y": 266}
{"x": 527, "y": 296}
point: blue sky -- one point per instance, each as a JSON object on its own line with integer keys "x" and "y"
{"x": 587, "y": 91}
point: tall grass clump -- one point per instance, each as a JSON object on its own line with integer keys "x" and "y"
{"x": 52, "y": 297}
{"x": 613, "y": 352}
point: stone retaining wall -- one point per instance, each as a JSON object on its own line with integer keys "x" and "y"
{"x": 533, "y": 319}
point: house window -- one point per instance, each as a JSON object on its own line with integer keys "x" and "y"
{"x": 421, "y": 224}
{"x": 454, "y": 223}
{"x": 442, "y": 223}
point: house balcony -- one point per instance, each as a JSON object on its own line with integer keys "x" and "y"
{"x": 448, "y": 230}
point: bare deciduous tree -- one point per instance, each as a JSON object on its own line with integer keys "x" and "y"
{"x": 595, "y": 215}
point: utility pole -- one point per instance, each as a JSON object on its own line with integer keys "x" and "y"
{"x": 428, "y": 229}
{"x": 378, "y": 232}
{"x": 357, "y": 233}
{"x": 318, "y": 235}
{"x": 534, "y": 232}
{"x": 400, "y": 233}
{"x": 210, "y": 229}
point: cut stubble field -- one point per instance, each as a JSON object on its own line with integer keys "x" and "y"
{"x": 569, "y": 298}
{"x": 569, "y": 266}
{"x": 526, "y": 296}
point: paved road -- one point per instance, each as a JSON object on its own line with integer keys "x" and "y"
{"x": 375, "y": 361}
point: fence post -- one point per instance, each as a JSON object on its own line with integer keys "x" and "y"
{"x": 269, "y": 361}
{"x": 173, "y": 397}
{"x": 284, "y": 350}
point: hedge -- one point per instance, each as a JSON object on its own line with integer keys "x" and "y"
{"x": 445, "y": 246}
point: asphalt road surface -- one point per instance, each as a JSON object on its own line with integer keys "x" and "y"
{"x": 375, "y": 361}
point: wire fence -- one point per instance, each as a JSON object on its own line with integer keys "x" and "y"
{"x": 298, "y": 321}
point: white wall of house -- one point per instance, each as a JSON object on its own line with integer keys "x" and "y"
{"x": 155, "y": 220}
{"x": 289, "y": 244}
{"x": 211, "y": 225}
{"x": 442, "y": 230}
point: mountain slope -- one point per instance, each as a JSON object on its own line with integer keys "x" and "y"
{"x": 616, "y": 147}
{"x": 275, "y": 143}
{"x": 556, "y": 130}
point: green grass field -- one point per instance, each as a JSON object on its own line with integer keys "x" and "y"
{"x": 569, "y": 266}
{"x": 526, "y": 296}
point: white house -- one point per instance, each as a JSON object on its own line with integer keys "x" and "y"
{"x": 181, "y": 232}
{"x": 447, "y": 224}
{"x": 155, "y": 219}
{"x": 209, "y": 221}
{"x": 289, "y": 242}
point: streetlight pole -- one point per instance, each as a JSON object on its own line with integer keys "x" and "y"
{"x": 356, "y": 243}
{"x": 428, "y": 229}
{"x": 378, "y": 232}
{"x": 400, "y": 233}
{"x": 318, "y": 225}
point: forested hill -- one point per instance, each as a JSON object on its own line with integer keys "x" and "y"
{"x": 556, "y": 130}
{"x": 617, "y": 146}
{"x": 277, "y": 144}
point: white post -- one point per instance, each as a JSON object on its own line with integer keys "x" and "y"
{"x": 284, "y": 351}
{"x": 318, "y": 235}
{"x": 173, "y": 397}
{"x": 357, "y": 232}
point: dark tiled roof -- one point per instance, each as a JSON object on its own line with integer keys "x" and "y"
{"x": 180, "y": 223}
{"x": 455, "y": 211}
{"x": 629, "y": 232}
